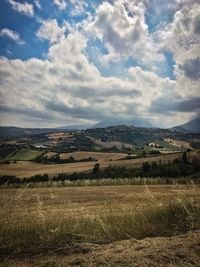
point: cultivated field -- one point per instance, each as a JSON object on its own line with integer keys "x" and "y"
{"x": 79, "y": 155}
{"x": 23, "y": 154}
{"x": 27, "y": 169}
{"x": 85, "y": 226}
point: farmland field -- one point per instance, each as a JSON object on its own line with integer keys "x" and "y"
{"x": 100, "y": 226}
{"x": 96, "y": 155}
{"x": 27, "y": 169}
{"x": 23, "y": 154}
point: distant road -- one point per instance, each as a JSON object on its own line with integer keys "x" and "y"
{"x": 28, "y": 169}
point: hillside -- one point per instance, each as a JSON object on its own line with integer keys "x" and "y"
{"x": 115, "y": 122}
{"x": 9, "y": 131}
{"x": 192, "y": 126}
{"x": 132, "y": 135}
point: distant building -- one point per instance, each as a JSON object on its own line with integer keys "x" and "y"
{"x": 155, "y": 145}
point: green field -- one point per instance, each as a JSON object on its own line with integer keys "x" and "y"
{"x": 23, "y": 154}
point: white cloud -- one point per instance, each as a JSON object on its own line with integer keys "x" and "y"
{"x": 37, "y": 3}
{"x": 13, "y": 35}
{"x": 24, "y": 7}
{"x": 77, "y": 7}
{"x": 66, "y": 88}
{"x": 182, "y": 38}
{"x": 122, "y": 29}
{"x": 61, "y": 4}
{"x": 51, "y": 31}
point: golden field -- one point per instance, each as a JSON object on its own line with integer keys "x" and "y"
{"x": 28, "y": 169}
{"x": 100, "y": 226}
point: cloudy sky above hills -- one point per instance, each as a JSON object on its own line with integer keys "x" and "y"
{"x": 66, "y": 62}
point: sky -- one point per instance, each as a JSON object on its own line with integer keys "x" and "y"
{"x": 72, "y": 62}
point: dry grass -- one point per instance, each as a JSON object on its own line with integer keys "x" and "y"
{"x": 177, "y": 251}
{"x": 96, "y": 155}
{"x": 28, "y": 169}
{"x": 44, "y": 220}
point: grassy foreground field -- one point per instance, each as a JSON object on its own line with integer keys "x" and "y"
{"x": 28, "y": 169}
{"x": 85, "y": 226}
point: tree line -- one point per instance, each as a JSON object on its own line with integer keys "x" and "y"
{"x": 175, "y": 169}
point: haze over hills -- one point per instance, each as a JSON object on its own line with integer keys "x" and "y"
{"x": 192, "y": 126}
{"x": 114, "y": 122}
{"x": 11, "y": 131}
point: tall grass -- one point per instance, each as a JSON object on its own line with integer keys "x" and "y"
{"x": 41, "y": 233}
{"x": 193, "y": 179}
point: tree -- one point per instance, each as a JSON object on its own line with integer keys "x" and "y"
{"x": 146, "y": 167}
{"x": 185, "y": 158}
{"x": 96, "y": 168}
{"x": 154, "y": 165}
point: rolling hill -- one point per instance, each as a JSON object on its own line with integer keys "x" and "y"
{"x": 114, "y": 122}
{"x": 192, "y": 126}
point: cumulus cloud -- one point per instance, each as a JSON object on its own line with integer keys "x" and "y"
{"x": 13, "y": 35}
{"x": 122, "y": 28}
{"x": 71, "y": 89}
{"x": 51, "y": 31}
{"x": 68, "y": 88}
{"x": 181, "y": 37}
{"x": 24, "y": 7}
{"x": 61, "y": 4}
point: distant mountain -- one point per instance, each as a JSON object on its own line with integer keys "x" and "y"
{"x": 135, "y": 122}
{"x": 10, "y": 131}
{"x": 192, "y": 126}
{"x": 74, "y": 127}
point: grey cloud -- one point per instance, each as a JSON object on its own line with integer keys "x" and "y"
{"x": 168, "y": 105}
{"x": 189, "y": 105}
{"x": 196, "y": 24}
{"x": 76, "y": 112}
{"x": 26, "y": 111}
{"x": 191, "y": 68}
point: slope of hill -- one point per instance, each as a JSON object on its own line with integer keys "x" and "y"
{"x": 192, "y": 126}
{"x": 9, "y": 131}
{"x": 127, "y": 134}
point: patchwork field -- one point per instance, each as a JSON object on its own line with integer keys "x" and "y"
{"x": 27, "y": 169}
{"x": 100, "y": 226}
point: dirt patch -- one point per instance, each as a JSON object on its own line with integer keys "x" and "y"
{"x": 59, "y": 136}
{"x": 49, "y": 155}
{"x": 174, "y": 251}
